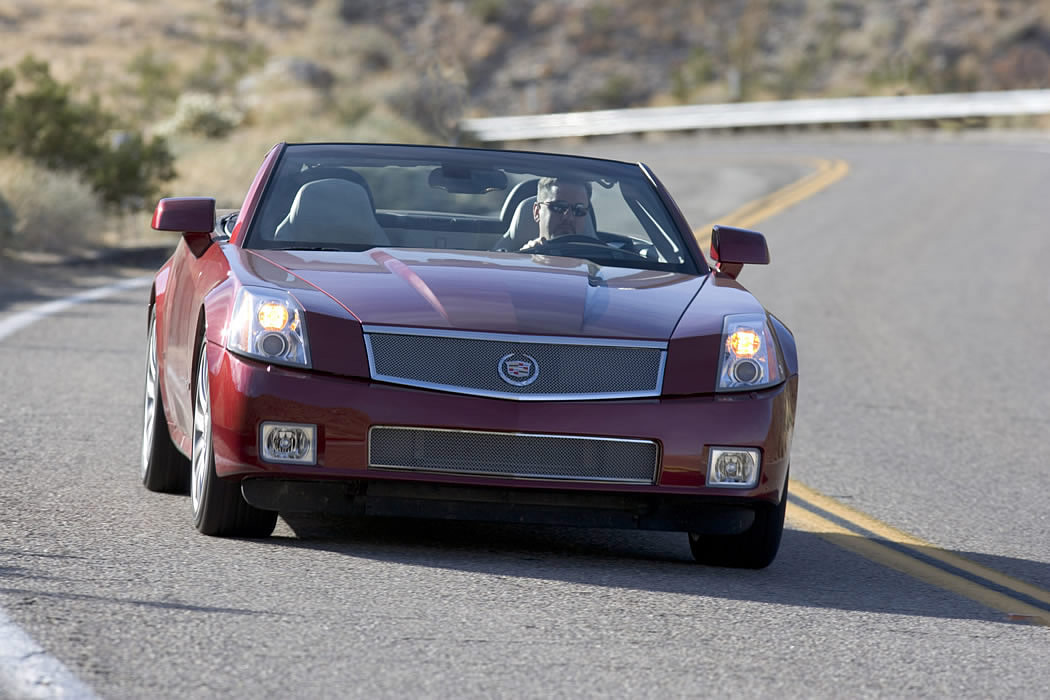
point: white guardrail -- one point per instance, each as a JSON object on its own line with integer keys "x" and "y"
{"x": 760, "y": 114}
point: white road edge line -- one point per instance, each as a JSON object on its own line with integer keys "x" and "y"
{"x": 20, "y": 320}
{"x": 26, "y": 670}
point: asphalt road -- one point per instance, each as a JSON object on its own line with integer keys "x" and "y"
{"x": 918, "y": 290}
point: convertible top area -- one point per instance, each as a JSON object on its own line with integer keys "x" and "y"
{"x": 354, "y": 197}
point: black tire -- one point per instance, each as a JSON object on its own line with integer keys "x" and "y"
{"x": 218, "y": 507}
{"x": 164, "y": 468}
{"x": 755, "y": 548}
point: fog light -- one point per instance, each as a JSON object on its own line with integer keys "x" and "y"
{"x": 288, "y": 442}
{"x": 733, "y": 466}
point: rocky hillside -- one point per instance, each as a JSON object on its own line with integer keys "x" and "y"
{"x": 433, "y": 61}
{"x": 225, "y": 79}
{"x": 529, "y": 56}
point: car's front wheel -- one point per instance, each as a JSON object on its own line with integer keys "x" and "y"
{"x": 755, "y": 548}
{"x": 164, "y": 468}
{"x": 218, "y": 506}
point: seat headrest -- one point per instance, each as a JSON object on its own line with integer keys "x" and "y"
{"x": 523, "y": 226}
{"x": 332, "y": 210}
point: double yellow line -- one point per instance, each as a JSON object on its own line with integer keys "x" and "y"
{"x": 825, "y": 173}
{"x": 861, "y": 533}
{"x": 858, "y": 532}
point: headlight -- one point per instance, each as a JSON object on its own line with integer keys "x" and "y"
{"x": 749, "y": 356}
{"x": 268, "y": 325}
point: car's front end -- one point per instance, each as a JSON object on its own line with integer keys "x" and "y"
{"x": 639, "y": 463}
{"x": 685, "y": 428}
{"x": 463, "y": 333}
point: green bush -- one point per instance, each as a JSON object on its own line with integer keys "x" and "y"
{"x": 693, "y": 74}
{"x": 41, "y": 121}
{"x": 154, "y": 78}
{"x": 7, "y": 221}
{"x": 223, "y": 66}
{"x": 489, "y": 11}
{"x": 617, "y": 92}
{"x": 433, "y": 102}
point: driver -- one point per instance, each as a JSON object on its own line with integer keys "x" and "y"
{"x": 562, "y": 208}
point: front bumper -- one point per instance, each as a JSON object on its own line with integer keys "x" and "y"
{"x": 624, "y": 511}
{"x": 245, "y": 394}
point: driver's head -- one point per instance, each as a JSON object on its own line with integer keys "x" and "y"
{"x": 561, "y": 207}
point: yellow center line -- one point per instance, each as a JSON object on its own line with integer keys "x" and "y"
{"x": 881, "y": 554}
{"x": 892, "y": 534}
{"x": 827, "y": 172}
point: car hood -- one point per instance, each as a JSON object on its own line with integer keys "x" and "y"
{"x": 494, "y": 292}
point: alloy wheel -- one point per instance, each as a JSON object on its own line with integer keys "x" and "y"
{"x": 151, "y": 395}
{"x": 201, "y": 435}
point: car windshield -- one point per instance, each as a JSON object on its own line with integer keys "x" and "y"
{"x": 355, "y": 197}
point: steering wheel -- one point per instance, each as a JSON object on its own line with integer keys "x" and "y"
{"x": 564, "y": 245}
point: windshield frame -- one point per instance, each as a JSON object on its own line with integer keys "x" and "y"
{"x": 530, "y": 163}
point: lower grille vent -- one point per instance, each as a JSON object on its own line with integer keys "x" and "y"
{"x": 513, "y": 454}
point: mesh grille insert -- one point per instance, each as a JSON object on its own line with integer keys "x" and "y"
{"x": 516, "y": 369}
{"x": 513, "y": 454}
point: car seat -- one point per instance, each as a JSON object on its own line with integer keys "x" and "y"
{"x": 332, "y": 210}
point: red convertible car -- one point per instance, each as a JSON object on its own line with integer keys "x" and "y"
{"x": 439, "y": 332}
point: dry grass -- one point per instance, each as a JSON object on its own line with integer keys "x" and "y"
{"x": 813, "y": 45}
{"x": 52, "y": 211}
{"x": 224, "y": 169}
{"x": 91, "y": 45}
{"x": 405, "y": 70}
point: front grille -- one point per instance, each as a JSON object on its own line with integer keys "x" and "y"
{"x": 523, "y": 368}
{"x": 513, "y": 454}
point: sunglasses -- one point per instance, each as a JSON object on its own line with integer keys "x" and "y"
{"x": 559, "y": 207}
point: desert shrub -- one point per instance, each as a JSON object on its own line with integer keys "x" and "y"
{"x": 352, "y": 108}
{"x": 206, "y": 76}
{"x": 434, "y": 101}
{"x": 7, "y": 221}
{"x": 616, "y": 92}
{"x": 131, "y": 165}
{"x": 154, "y": 80}
{"x": 490, "y": 11}
{"x": 694, "y": 73}
{"x": 201, "y": 114}
{"x": 224, "y": 65}
{"x": 372, "y": 49}
{"x": 49, "y": 210}
{"x": 357, "y": 10}
{"x": 41, "y": 121}
{"x": 238, "y": 12}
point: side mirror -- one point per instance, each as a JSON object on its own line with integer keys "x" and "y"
{"x": 732, "y": 248}
{"x": 193, "y": 217}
